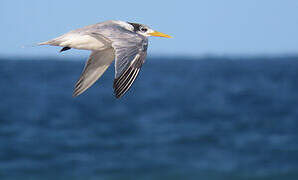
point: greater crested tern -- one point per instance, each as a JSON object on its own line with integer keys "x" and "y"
{"x": 124, "y": 41}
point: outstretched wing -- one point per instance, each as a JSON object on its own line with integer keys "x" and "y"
{"x": 96, "y": 65}
{"x": 129, "y": 60}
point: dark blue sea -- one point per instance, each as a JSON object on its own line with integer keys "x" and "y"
{"x": 205, "y": 118}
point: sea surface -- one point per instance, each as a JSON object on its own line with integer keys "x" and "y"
{"x": 205, "y": 118}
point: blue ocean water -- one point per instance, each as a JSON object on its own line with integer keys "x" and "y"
{"x": 184, "y": 118}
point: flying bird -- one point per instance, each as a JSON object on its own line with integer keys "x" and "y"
{"x": 125, "y": 42}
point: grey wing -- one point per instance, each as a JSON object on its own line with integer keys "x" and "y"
{"x": 96, "y": 65}
{"x": 129, "y": 60}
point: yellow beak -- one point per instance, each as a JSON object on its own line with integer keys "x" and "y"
{"x": 159, "y": 34}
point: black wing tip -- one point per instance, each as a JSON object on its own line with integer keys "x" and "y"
{"x": 75, "y": 94}
{"x": 118, "y": 96}
{"x": 64, "y": 49}
{"x": 116, "y": 93}
{"x": 122, "y": 86}
{"x": 77, "y": 90}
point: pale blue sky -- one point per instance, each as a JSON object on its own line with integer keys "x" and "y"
{"x": 201, "y": 27}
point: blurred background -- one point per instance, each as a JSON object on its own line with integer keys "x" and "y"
{"x": 217, "y": 101}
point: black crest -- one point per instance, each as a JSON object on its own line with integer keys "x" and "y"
{"x": 136, "y": 26}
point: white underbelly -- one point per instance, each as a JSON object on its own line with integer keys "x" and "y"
{"x": 78, "y": 41}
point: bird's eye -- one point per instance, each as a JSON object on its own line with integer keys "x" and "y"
{"x": 143, "y": 29}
